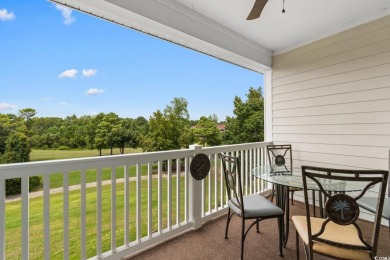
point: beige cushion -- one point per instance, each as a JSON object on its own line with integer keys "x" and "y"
{"x": 338, "y": 233}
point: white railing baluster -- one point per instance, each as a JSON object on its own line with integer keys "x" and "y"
{"x": 99, "y": 227}
{"x": 65, "y": 198}
{"x": 159, "y": 197}
{"x": 191, "y": 209}
{"x": 113, "y": 209}
{"x": 250, "y": 165}
{"x": 257, "y": 164}
{"x": 178, "y": 193}
{"x": 83, "y": 214}
{"x": 46, "y": 216}
{"x": 210, "y": 194}
{"x": 138, "y": 206}
{"x": 222, "y": 184}
{"x": 127, "y": 205}
{"x": 203, "y": 196}
{"x": 263, "y": 163}
{"x": 2, "y": 219}
{"x": 25, "y": 218}
{"x": 215, "y": 182}
{"x": 186, "y": 188}
{"x": 150, "y": 202}
{"x": 245, "y": 182}
{"x": 169, "y": 194}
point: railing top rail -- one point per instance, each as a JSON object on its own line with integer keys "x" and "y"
{"x": 17, "y": 170}
{"x": 234, "y": 147}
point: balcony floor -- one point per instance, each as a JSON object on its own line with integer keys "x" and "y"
{"x": 208, "y": 242}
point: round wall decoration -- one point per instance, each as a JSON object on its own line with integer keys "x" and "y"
{"x": 200, "y": 166}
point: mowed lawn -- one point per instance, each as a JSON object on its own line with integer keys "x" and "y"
{"x": 42, "y": 155}
{"x": 36, "y": 221}
{"x": 13, "y": 220}
{"x": 56, "y": 178}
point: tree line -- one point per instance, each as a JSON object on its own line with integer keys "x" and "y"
{"x": 168, "y": 129}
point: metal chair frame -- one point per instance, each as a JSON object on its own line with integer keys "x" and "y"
{"x": 231, "y": 168}
{"x": 370, "y": 203}
{"x": 271, "y": 154}
{"x": 372, "y": 177}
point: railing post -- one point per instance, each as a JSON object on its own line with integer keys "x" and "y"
{"x": 196, "y": 195}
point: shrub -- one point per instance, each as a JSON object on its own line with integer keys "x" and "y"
{"x": 13, "y": 186}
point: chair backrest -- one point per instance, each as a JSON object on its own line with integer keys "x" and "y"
{"x": 280, "y": 157}
{"x": 341, "y": 208}
{"x": 231, "y": 169}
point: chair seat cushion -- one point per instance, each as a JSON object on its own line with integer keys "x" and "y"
{"x": 369, "y": 204}
{"x": 342, "y": 234}
{"x": 255, "y": 206}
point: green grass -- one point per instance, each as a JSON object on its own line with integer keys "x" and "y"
{"x": 42, "y": 155}
{"x": 13, "y": 220}
{"x": 74, "y": 179}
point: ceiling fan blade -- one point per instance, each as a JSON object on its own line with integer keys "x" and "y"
{"x": 257, "y": 9}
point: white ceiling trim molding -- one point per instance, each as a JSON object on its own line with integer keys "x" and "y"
{"x": 176, "y": 23}
{"x": 348, "y": 26}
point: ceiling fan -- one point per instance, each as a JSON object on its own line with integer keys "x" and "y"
{"x": 258, "y": 8}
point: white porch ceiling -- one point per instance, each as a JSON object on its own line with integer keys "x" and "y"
{"x": 219, "y": 27}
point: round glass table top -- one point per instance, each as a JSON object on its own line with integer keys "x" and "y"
{"x": 294, "y": 179}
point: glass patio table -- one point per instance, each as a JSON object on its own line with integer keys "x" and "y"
{"x": 284, "y": 179}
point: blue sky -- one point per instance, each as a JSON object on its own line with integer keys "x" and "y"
{"x": 62, "y": 62}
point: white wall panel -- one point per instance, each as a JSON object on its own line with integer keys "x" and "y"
{"x": 338, "y": 78}
{"x": 364, "y": 107}
{"x": 331, "y": 99}
{"x": 340, "y": 119}
{"x": 354, "y": 35}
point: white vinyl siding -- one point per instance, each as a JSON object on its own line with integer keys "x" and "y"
{"x": 331, "y": 99}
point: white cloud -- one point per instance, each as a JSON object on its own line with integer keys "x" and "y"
{"x": 89, "y": 73}
{"x": 63, "y": 103}
{"x": 6, "y": 16}
{"x": 6, "y": 106}
{"x": 93, "y": 92}
{"x": 68, "y": 74}
{"x": 66, "y": 14}
{"x": 47, "y": 99}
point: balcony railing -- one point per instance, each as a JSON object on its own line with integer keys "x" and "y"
{"x": 147, "y": 199}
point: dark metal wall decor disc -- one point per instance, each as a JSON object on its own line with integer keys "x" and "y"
{"x": 279, "y": 160}
{"x": 200, "y": 166}
{"x": 342, "y": 209}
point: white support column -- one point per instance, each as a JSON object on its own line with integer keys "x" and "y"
{"x": 196, "y": 195}
{"x": 268, "y": 133}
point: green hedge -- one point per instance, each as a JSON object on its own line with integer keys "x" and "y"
{"x": 13, "y": 186}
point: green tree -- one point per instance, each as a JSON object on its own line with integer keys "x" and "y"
{"x": 125, "y": 134}
{"x": 206, "y": 131}
{"x": 17, "y": 151}
{"x": 105, "y": 134}
{"x": 169, "y": 130}
{"x": 248, "y": 123}
{"x": 17, "y": 148}
{"x": 9, "y": 124}
{"x": 27, "y": 114}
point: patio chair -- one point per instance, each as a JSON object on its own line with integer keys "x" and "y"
{"x": 252, "y": 206}
{"x": 370, "y": 203}
{"x": 339, "y": 234}
{"x": 277, "y": 159}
